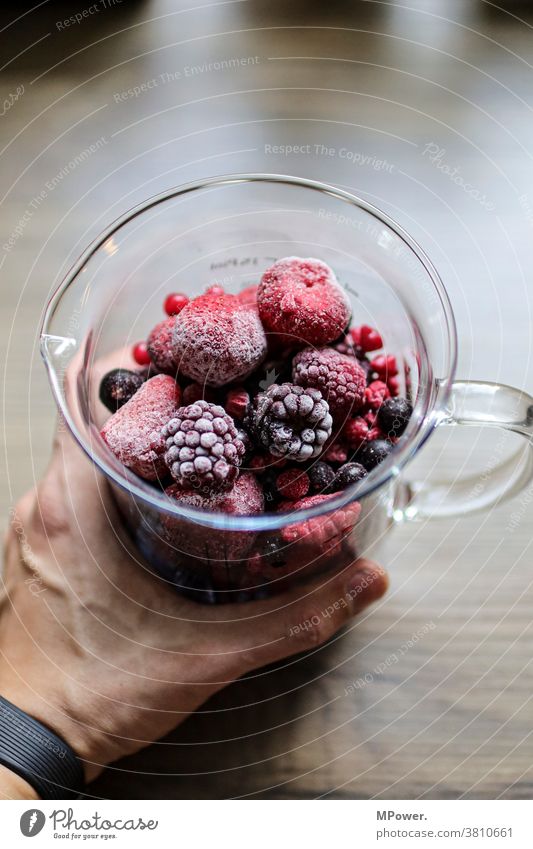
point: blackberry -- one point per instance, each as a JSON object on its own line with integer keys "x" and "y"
{"x": 290, "y": 421}
{"x": 371, "y": 454}
{"x": 321, "y": 475}
{"x": 118, "y": 386}
{"x": 204, "y": 450}
{"x": 393, "y": 416}
{"x": 347, "y": 475}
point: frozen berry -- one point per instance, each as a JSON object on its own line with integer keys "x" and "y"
{"x": 355, "y": 431}
{"x": 160, "y": 347}
{"x": 249, "y": 295}
{"x": 175, "y": 302}
{"x": 340, "y": 378}
{"x": 336, "y": 453}
{"x": 215, "y": 290}
{"x": 302, "y": 299}
{"x": 118, "y": 386}
{"x": 140, "y": 354}
{"x": 373, "y": 453}
{"x": 293, "y": 484}
{"x": 323, "y": 534}
{"x": 237, "y": 401}
{"x": 385, "y": 366}
{"x": 321, "y": 475}
{"x": 133, "y": 433}
{"x": 393, "y": 416}
{"x": 290, "y": 421}
{"x": 194, "y": 392}
{"x": 203, "y": 448}
{"x": 195, "y": 540}
{"x": 347, "y": 475}
{"x": 345, "y": 345}
{"x": 368, "y": 338}
{"x": 375, "y": 393}
{"x": 218, "y": 339}
{"x": 394, "y": 386}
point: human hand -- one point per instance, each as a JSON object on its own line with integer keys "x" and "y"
{"x": 104, "y": 652}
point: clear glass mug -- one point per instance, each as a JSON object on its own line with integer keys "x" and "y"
{"x": 228, "y": 230}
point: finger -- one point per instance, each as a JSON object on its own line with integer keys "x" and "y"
{"x": 258, "y": 633}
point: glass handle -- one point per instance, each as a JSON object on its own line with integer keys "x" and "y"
{"x": 479, "y": 404}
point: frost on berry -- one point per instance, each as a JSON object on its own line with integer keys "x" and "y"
{"x": 290, "y": 421}
{"x": 218, "y": 339}
{"x": 134, "y": 432}
{"x": 301, "y": 299}
{"x": 340, "y": 378}
{"x": 210, "y": 544}
{"x": 203, "y": 448}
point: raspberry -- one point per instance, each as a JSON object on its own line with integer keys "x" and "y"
{"x": 393, "y": 416}
{"x": 320, "y": 476}
{"x": 302, "y": 299}
{"x": 211, "y": 544}
{"x": 290, "y": 421}
{"x": 355, "y": 432}
{"x": 341, "y": 379}
{"x": 293, "y": 484}
{"x": 203, "y": 448}
{"x": 368, "y": 338}
{"x": 347, "y": 475}
{"x": 375, "y": 393}
{"x": 215, "y": 290}
{"x": 218, "y": 339}
{"x": 384, "y": 366}
{"x": 133, "y": 433}
{"x": 237, "y": 401}
{"x": 175, "y": 302}
{"x": 373, "y": 453}
{"x": 336, "y": 453}
{"x": 118, "y": 386}
{"x": 323, "y": 534}
{"x": 160, "y": 347}
{"x": 140, "y": 354}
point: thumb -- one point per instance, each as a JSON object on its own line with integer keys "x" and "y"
{"x": 260, "y": 633}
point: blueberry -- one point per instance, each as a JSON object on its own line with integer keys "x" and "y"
{"x": 118, "y": 386}
{"x": 321, "y": 475}
{"x": 394, "y": 415}
{"x": 373, "y": 453}
{"x": 347, "y": 475}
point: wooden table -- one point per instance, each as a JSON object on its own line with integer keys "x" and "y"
{"x": 450, "y": 717}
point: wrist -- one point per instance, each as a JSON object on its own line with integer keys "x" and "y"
{"x": 51, "y": 711}
{"x": 12, "y": 786}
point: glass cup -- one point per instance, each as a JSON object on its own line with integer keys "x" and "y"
{"x": 228, "y": 230}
